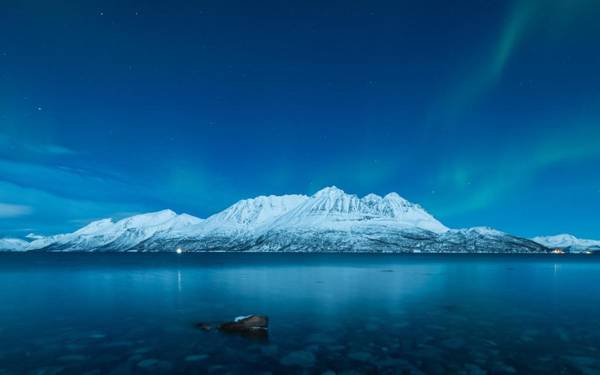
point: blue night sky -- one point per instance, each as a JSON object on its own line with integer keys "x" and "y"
{"x": 484, "y": 112}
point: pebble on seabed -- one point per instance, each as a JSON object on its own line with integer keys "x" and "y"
{"x": 152, "y": 364}
{"x": 454, "y": 343}
{"x": 299, "y": 358}
{"x": 196, "y": 357}
{"x": 269, "y": 350}
{"x": 72, "y": 358}
{"x": 320, "y": 338}
{"x": 48, "y": 370}
{"x": 361, "y": 356}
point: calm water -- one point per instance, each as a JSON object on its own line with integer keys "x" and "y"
{"x": 135, "y": 313}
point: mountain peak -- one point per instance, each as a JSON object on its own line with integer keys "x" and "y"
{"x": 150, "y": 217}
{"x": 95, "y": 226}
{"x": 371, "y": 199}
{"x": 166, "y": 213}
{"x": 395, "y": 197}
{"x": 329, "y": 191}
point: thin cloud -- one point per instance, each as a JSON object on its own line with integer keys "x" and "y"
{"x": 54, "y": 213}
{"x": 33, "y": 148}
{"x": 52, "y": 149}
{"x": 70, "y": 183}
{"x": 8, "y": 210}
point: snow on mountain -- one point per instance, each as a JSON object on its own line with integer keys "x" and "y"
{"x": 13, "y": 244}
{"x": 567, "y": 241}
{"x": 483, "y": 231}
{"x": 332, "y": 209}
{"x": 329, "y": 220}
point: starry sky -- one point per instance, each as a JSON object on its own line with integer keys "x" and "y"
{"x": 485, "y": 112}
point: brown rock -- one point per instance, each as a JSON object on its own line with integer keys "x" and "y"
{"x": 251, "y": 325}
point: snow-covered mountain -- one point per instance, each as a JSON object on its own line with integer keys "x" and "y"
{"x": 121, "y": 235}
{"x": 13, "y": 244}
{"x": 568, "y": 242}
{"x": 330, "y": 220}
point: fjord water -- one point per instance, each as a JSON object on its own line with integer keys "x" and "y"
{"x": 135, "y": 313}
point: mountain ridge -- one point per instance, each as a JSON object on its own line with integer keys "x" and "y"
{"x": 330, "y": 220}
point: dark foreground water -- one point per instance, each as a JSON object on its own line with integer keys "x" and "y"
{"x": 135, "y": 313}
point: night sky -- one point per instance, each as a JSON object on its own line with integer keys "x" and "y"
{"x": 484, "y": 112}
